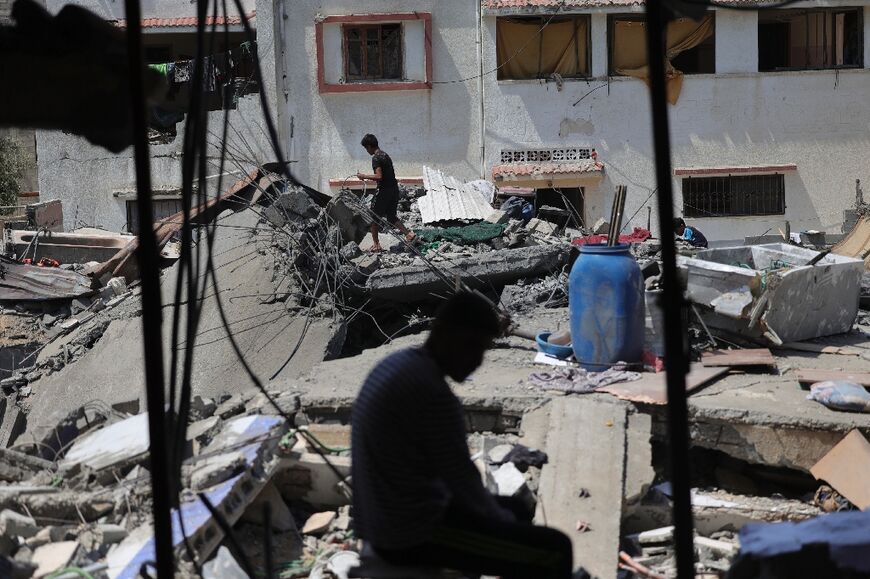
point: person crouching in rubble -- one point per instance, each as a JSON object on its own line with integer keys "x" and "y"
{"x": 418, "y": 499}
{"x": 689, "y": 233}
{"x": 386, "y": 200}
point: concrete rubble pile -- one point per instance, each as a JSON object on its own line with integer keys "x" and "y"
{"x": 777, "y": 403}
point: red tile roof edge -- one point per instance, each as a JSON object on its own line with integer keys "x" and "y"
{"x": 547, "y": 168}
{"x": 186, "y": 21}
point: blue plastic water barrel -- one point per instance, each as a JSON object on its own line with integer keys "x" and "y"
{"x": 605, "y": 299}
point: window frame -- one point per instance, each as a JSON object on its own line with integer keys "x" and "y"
{"x": 638, "y": 17}
{"x": 833, "y": 11}
{"x": 364, "y": 28}
{"x": 543, "y": 19}
{"x": 369, "y": 85}
{"x": 691, "y": 207}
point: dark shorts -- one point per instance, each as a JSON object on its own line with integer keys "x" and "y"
{"x": 385, "y": 205}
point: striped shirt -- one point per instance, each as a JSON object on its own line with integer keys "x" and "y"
{"x": 409, "y": 454}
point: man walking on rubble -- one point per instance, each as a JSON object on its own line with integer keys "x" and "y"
{"x": 418, "y": 500}
{"x": 386, "y": 200}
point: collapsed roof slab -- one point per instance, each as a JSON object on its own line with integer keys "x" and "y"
{"x": 496, "y": 268}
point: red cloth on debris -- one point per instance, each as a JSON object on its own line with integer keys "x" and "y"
{"x": 639, "y": 235}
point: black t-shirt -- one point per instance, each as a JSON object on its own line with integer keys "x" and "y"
{"x": 388, "y": 179}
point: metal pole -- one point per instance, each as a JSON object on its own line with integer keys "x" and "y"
{"x": 152, "y": 316}
{"x": 676, "y": 359}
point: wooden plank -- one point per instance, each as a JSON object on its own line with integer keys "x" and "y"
{"x": 821, "y": 348}
{"x": 810, "y": 376}
{"x": 731, "y": 358}
{"x": 847, "y": 469}
{"x": 652, "y": 388}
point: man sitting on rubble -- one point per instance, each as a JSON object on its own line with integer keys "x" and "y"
{"x": 689, "y": 233}
{"x": 386, "y": 200}
{"x": 418, "y": 499}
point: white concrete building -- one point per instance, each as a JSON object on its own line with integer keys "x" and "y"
{"x": 771, "y": 123}
{"x": 98, "y": 188}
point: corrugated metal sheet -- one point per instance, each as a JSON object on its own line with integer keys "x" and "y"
{"x": 449, "y": 199}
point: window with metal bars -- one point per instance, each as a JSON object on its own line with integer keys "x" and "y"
{"x": 372, "y": 52}
{"x": 734, "y": 196}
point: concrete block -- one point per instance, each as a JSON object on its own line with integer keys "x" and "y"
{"x": 498, "y": 216}
{"x": 95, "y": 537}
{"x": 318, "y": 523}
{"x": 232, "y": 407}
{"x": 601, "y": 227}
{"x": 297, "y": 202}
{"x": 79, "y": 305}
{"x": 366, "y": 265}
{"x": 13, "y": 524}
{"x": 344, "y": 209}
{"x": 350, "y": 251}
{"x": 115, "y": 444}
{"x": 118, "y": 285}
{"x": 204, "y": 430}
{"x": 275, "y": 216}
{"x": 540, "y": 226}
{"x": 720, "y": 548}
{"x": 203, "y": 407}
{"x": 657, "y": 536}
{"x": 53, "y": 557}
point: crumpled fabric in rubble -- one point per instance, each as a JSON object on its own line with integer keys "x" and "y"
{"x": 840, "y": 395}
{"x": 580, "y": 381}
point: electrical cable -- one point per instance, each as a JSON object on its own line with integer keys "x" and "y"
{"x": 152, "y": 342}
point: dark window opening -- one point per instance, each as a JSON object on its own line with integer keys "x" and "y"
{"x": 541, "y": 47}
{"x": 373, "y": 52}
{"x": 157, "y": 54}
{"x": 810, "y": 39}
{"x": 734, "y": 196}
{"x": 163, "y": 208}
{"x": 562, "y": 206}
{"x": 691, "y": 43}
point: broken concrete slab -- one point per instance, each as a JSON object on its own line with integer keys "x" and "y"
{"x": 25, "y": 283}
{"x": 496, "y": 268}
{"x": 53, "y": 557}
{"x": 14, "y": 524}
{"x": 232, "y": 497}
{"x": 586, "y": 446}
{"x": 387, "y": 240}
{"x": 540, "y": 226}
{"x": 498, "y": 217}
{"x": 116, "y": 444}
{"x": 262, "y": 330}
{"x": 213, "y": 470}
{"x": 17, "y": 466}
